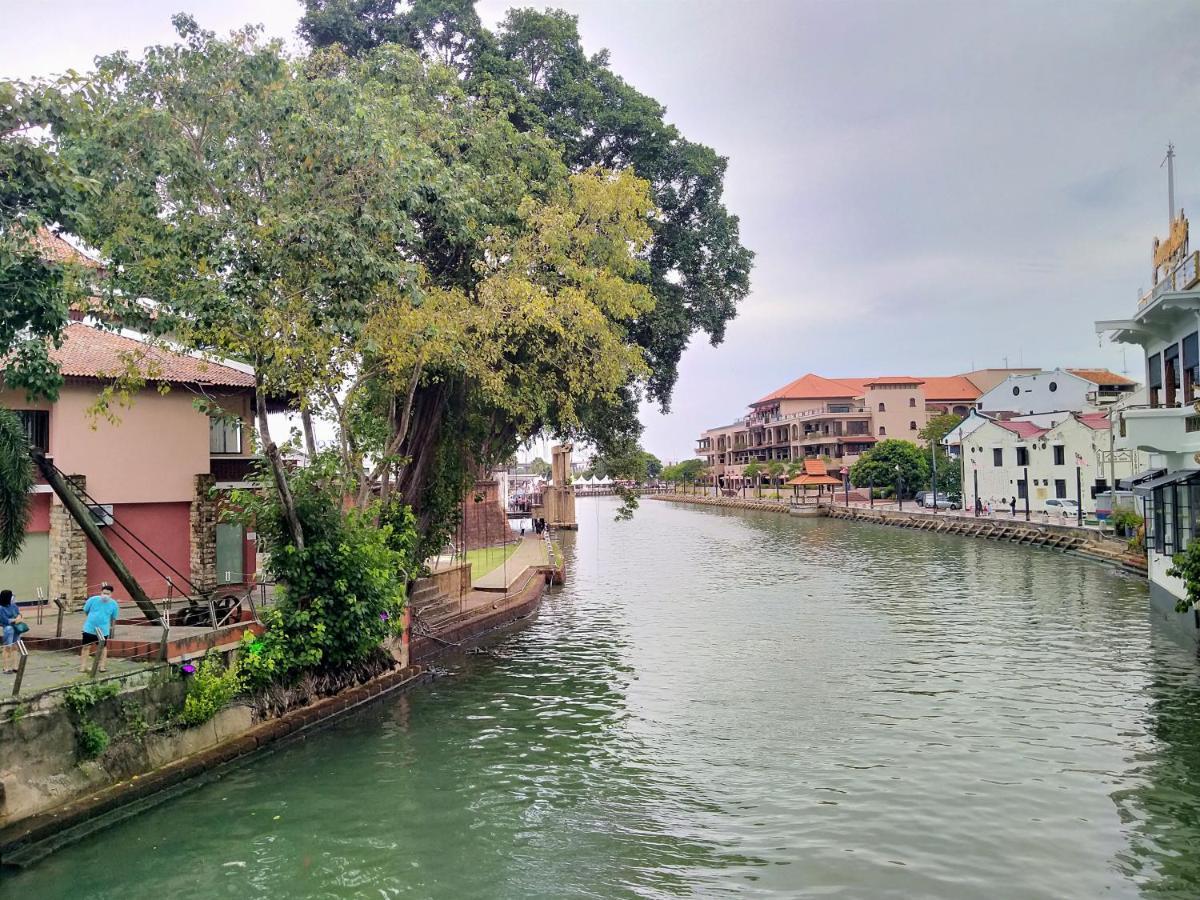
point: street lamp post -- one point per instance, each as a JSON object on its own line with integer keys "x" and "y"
{"x": 846, "y": 483}
{"x": 899, "y": 488}
{"x": 1027, "y": 493}
{"x": 1078, "y": 496}
{"x": 933, "y": 475}
{"x": 871, "y": 491}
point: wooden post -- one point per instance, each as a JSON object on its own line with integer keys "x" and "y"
{"x": 83, "y": 517}
{"x": 405, "y": 636}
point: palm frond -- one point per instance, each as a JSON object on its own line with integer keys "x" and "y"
{"x": 16, "y": 482}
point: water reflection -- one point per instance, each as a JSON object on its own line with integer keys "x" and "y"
{"x": 732, "y": 703}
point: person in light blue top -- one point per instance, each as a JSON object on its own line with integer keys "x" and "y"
{"x": 100, "y": 613}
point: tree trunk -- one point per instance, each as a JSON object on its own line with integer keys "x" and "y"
{"x": 310, "y": 441}
{"x": 275, "y": 458}
{"x": 83, "y": 517}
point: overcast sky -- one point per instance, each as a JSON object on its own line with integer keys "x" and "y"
{"x": 929, "y": 186}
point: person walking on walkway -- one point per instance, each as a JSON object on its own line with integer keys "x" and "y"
{"x": 10, "y": 615}
{"x": 100, "y": 613}
{"x": 1012, "y": 507}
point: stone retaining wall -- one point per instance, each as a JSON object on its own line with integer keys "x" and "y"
{"x": 1066, "y": 538}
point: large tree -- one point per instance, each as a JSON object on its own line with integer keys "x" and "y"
{"x": 38, "y": 187}
{"x": 534, "y": 64}
{"x": 889, "y": 462}
{"x": 382, "y": 247}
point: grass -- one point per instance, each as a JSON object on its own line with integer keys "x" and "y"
{"x": 487, "y": 559}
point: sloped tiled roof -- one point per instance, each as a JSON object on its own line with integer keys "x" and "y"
{"x": 1095, "y": 421}
{"x": 1101, "y": 376}
{"x": 894, "y": 379}
{"x": 87, "y": 352}
{"x": 1024, "y": 429}
{"x": 810, "y": 387}
{"x": 54, "y": 248}
{"x": 950, "y": 387}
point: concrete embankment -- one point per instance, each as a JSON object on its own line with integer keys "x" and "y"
{"x": 50, "y": 797}
{"x": 1065, "y": 538}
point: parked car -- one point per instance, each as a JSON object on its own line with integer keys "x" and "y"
{"x": 919, "y": 497}
{"x": 1064, "y": 508}
{"x": 942, "y": 501}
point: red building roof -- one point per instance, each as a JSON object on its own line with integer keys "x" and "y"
{"x": 894, "y": 379}
{"x": 1095, "y": 421}
{"x": 52, "y": 247}
{"x": 1101, "y": 376}
{"x": 950, "y": 387}
{"x": 1024, "y": 429}
{"x": 811, "y": 387}
{"x": 87, "y": 352}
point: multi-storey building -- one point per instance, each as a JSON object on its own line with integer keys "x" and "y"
{"x": 155, "y": 471}
{"x": 836, "y": 418}
{"x": 1166, "y": 325}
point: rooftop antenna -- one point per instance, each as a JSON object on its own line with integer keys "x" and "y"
{"x": 1169, "y": 162}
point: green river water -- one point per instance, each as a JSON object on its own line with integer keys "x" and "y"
{"x": 727, "y": 703}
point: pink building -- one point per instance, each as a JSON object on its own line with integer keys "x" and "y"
{"x": 152, "y": 473}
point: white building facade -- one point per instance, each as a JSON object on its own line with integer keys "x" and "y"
{"x": 1066, "y": 456}
{"x": 1167, "y": 427}
{"x": 1079, "y": 390}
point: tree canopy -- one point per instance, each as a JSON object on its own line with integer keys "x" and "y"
{"x": 535, "y": 66}
{"x": 878, "y": 466}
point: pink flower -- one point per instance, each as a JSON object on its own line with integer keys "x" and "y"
{"x": 188, "y": 668}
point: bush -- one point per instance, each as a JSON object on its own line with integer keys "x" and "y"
{"x": 211, "y": 689}
{"x": 1125, "y": 519}
{"x": 340, "y": 596}
{"x": 1186, "y": 565}
{"x": 92, "y": 739}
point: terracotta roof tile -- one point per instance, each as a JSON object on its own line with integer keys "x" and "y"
{"x": 55, "y": 248}
{"x": 1095, "y": 421}
{"x": 951, "y": 387}
{"x": 1024, "y": 429}
{"x": 811, "y": 387}
{"x": 87, "y": 352}
{"x": 1101, "y": 376}
{"x": 894, "y": 379}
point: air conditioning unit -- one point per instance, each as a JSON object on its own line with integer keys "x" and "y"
{"x": 102, "y": 514}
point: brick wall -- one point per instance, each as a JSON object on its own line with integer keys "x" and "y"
{"x": 68, "y": 554}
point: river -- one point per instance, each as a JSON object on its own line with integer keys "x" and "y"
{"x": 727, "y": 703}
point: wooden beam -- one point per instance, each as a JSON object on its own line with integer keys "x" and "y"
{"x": 83, "y": 517}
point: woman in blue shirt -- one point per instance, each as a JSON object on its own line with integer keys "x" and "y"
{"x": 100, "y": 613}
{"x": 10, "y": 615}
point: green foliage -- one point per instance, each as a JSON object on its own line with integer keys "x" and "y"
{"x": 135, "y": 720}
{"x": 210, "y": 689}
{"x": 539, "y": 467}
{"x": 878, "y": 466}
{"x": 754, "y": 472}
{"x": 630, "y": 462}
{"x": 775, "y": 470}
{"x": 38, "y": 188}
{"x": 16, "y": 485}
{"x": 1186, "y": 566}
{"x": 1125, "y": 518}
{"x": 534, "y": 66}
{"x": 339, "y": 596}
{"x": 18, "y": 712}
{"x": 91, "y": 739}
{"x": 80, "y": 698}
{"x": 938, "y": 427}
